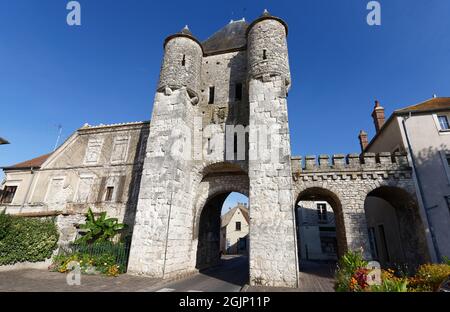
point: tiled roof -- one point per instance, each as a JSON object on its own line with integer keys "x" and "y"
{"x": 226, "y": 218}
{"x": 432, "y": 104}
{"x": 32, "y": 163}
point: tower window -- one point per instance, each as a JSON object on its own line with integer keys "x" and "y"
{"x": 183, "y": 62}
{"x": 264, "y": 54}
{"x": 211, "y": 95}
{"x": 238, "y": 92}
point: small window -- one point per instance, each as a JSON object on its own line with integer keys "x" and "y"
{"x": 443, "y": 122}
{"x": 238, "y": 92}
{"x": 109, "y": 193}
{"x": 8, "y": 194}
{"x": 211, "y": 95}
{"x": 183, "y": 62}
{"x": 322, "y": 213}
{"x": 235, "y": 143}
{"x": 238, "y": 226}
{"x": 209, "y": 146}
{"x": 264, "y": 54}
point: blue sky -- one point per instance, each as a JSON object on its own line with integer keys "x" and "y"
{"x": 106, "y": 70}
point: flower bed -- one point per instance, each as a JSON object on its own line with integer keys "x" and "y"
{"x": 353, "y": 275}
{"x": 102, "y": 257}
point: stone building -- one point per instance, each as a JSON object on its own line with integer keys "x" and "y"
{"x": 219, "y": 125}
{"x": 316, "y": 231}
{"x": 234, "y": 228}
{"x": 422, "y": 130}
{"x": 97, "y": 167}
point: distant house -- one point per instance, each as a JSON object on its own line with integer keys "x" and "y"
{"x": 316, "y": 231}
{"x": 3, "y": 141}
{"x": 234, "y": 230}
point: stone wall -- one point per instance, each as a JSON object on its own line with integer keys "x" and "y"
{"x": 267, "y": 50}
{"x": 174, "y": 72}
{"x": 351, "y": 179}
{"x": 273, "y": 253}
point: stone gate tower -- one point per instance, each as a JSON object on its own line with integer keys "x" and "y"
{"x": 238, "y": 77}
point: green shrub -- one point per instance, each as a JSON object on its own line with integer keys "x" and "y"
{"x": 26, "y": 239}
{"x": 99, "y": 229}
{"x": 5, "y": 223}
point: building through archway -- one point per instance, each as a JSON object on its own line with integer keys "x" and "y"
{"x": 320, "y": 225}
{"x": 396, "y": 231}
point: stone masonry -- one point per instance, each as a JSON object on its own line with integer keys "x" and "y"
{"x": 240, "y": 76}
{"x": 219, "y": 125}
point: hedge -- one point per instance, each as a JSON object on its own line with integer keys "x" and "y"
{"x": 26, "y": 239}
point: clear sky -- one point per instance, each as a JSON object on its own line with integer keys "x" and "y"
{"x": 106, "y": 70}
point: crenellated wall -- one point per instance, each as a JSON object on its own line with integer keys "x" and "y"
{"x": 346, "y": 181}
{"x": 348, "y": 163}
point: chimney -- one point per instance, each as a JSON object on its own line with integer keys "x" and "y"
{"x": 378, "y": 116}
{"x": 363, "y": 142}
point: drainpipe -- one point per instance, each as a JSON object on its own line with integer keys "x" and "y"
{"x": 422, "y": 195}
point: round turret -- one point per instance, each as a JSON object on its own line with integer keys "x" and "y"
{"x": 182, "y": 62}
{"x": 267, "y": 52}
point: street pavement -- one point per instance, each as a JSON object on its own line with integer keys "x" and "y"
{"x": 230, "y": 276}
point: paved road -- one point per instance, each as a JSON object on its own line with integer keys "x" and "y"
{"x": 229, "y": 276}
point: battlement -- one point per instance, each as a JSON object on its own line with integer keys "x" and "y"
{"x": 350, "y": 162}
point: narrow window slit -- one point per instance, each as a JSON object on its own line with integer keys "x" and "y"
{"x": 211, "y": 95}
{"x": 238, "y": 91}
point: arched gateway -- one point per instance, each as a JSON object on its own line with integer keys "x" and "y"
{"x": 220, "y": 125}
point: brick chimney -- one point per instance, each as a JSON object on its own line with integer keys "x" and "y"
{"x": 378, "y": 116}
{"x": 363, "y": 142}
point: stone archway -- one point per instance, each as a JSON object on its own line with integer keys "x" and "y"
{"x": 217, "y": 183}
{"x": 318, "y": 193}
{"x": 396, "y": 230}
